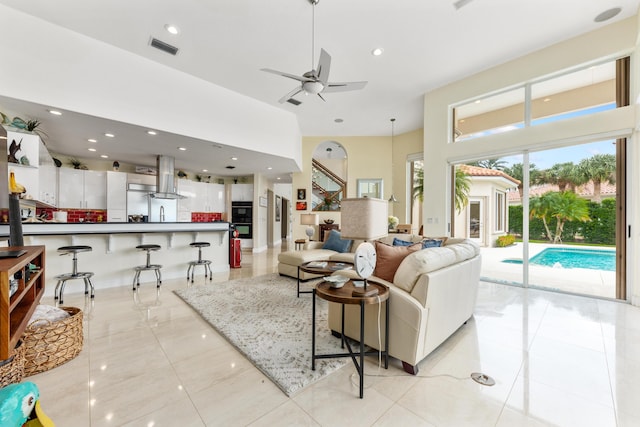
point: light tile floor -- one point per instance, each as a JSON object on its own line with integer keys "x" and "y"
{"x": 557, "y": 360}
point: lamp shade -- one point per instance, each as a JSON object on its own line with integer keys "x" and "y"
{"x": 363, "y": 218}
{"x": 309, "y": 219}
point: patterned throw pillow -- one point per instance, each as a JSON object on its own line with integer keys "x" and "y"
{"x": 336, "y": 243}
{"x": 388, "y": 258}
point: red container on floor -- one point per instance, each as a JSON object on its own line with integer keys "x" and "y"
{"x": 235, "y": 253}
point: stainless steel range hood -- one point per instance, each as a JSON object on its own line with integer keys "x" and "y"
{"x": 165, "y": 188}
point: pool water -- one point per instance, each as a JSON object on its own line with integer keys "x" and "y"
{"x": 594, "y": 259}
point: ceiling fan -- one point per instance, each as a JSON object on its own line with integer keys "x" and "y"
{"x": 316, "y": 81}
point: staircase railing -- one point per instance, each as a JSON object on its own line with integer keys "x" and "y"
{"x": 328, "y": 189}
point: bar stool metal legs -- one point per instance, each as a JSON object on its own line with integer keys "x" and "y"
{"x": 148, "y": 266}
{"x": 205, "y": 262}
{"x": 75, "y": 274}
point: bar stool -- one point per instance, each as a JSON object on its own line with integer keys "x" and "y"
{"x": 148, "y": 266}
{"x": 75, "y": 274}
{"x": 200, "y": 261}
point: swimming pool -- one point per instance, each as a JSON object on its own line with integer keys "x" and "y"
{"x": 594, "y": 259}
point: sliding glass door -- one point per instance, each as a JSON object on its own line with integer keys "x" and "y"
{"x": 562, "y": 227}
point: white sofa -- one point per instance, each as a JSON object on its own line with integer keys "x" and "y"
{"x": 289, "y": 261}
{"x": 433, "y": 293}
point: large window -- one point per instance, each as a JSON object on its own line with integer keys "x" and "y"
{"x": 587, "y": 90}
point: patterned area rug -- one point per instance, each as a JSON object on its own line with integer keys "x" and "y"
{"x": 263, "y": 319}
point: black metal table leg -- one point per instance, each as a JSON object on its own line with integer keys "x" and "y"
{"x": 386, "y": 335}
{"x": 313, "y": 330}
{"x": 361, "y": 367}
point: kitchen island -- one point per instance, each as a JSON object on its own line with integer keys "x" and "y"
{"x": 114, "y": 251}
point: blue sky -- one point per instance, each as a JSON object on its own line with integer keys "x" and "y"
{"x": 575, "y": 153}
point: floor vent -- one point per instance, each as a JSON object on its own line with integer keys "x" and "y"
{"x": 482, "y": 379}
{"x": 165, "y": 47}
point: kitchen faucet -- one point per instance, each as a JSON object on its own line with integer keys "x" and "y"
{"x": 161, "y": 213}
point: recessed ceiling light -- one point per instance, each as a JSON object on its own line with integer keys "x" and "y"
{"x": 55, "y": 112}
{"x": 205, "y": 170}
{"x": 182, "y": 149}
{"x": 92, "y": 149}
{"x": 234, "y": 158}
{"x": 172, "y": 29}
{"x": 377, "y": 51}
{"x": 104, "y": 156}
{"x": 478, "y": 101}
{"x": 607, "y": 14}
{"x": 278, "y": 178}
{"x": 546, "y": 100}
{"x": 269, "y": 168}
{"x": 92, "y": 140}
{"x": 338, "y": 120}
{"x": 152, "y": 132}
{"x": 109, "y": 135}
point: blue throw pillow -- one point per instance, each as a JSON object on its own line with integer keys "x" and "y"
{"x": 431, "y": 243}
{"x": 335, "y": 243}
{"x": 400, "y": 242}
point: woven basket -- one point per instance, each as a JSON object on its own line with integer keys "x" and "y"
{"x": 12, "y": 369}
{"x": 51, "y": 345}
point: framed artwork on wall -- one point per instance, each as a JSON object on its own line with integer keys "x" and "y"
{"x": 301, "y": 206}
{"x": 302, "y": 194}
{"x": 278, "y": 208}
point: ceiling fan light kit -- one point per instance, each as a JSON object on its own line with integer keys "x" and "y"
{"x": 315, "y": 82}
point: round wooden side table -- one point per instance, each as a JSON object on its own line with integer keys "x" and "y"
{"x": 344, "y": 295}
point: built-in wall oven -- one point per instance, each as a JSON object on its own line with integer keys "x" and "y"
{"x": 242, "y": 218}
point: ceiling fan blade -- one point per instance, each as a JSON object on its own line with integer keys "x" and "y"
{"x": 290, "y": 95}
{"x": 290, "y": 76}
{"x": 343, "y": 87}
{"x": 324, "y": 66}
{"x": 321, "y": 97}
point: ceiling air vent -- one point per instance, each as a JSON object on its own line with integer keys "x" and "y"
{"x": 165, "y": 47}
{"x": 294, "y": 101}
{"x": 230, "y": 167}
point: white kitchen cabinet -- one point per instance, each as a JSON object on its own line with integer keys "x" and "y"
{"x": 242, "y": 192}
{"x": 186, "y": 188}
{"x": 215, "y": 198}
{"x": 82, "y": 189}
{"x": 48, "y": 180}
{"x": 116, "y": 197}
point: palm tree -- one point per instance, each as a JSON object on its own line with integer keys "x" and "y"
{"x": 462, "y": 188}
{"x": 599, "y": 168}
{"x": 564, "y": 175}
{"x": 564, "y": 206}
{"x": 496, "y": 164}
{"x": 418, "y": 184}
{"x": 516, "y": 171}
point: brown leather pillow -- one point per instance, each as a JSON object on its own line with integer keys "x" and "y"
{"x": 388, "y": 259}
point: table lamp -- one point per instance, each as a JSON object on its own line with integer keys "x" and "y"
{"x": 310, "y": 220}
{"x": 364, "y": 219}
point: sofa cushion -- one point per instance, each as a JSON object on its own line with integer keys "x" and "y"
{"x": 297, "y": 258}
{"x": 342, "y": 257}
{"x": 388, "y": 258}
{"x": 336, "y": 243}
{"x": 421, "y": 262}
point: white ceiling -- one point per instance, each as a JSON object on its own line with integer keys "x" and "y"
{"x": 427, "y": 44}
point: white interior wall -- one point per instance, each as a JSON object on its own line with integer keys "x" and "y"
{"x": 51, "y": 65}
